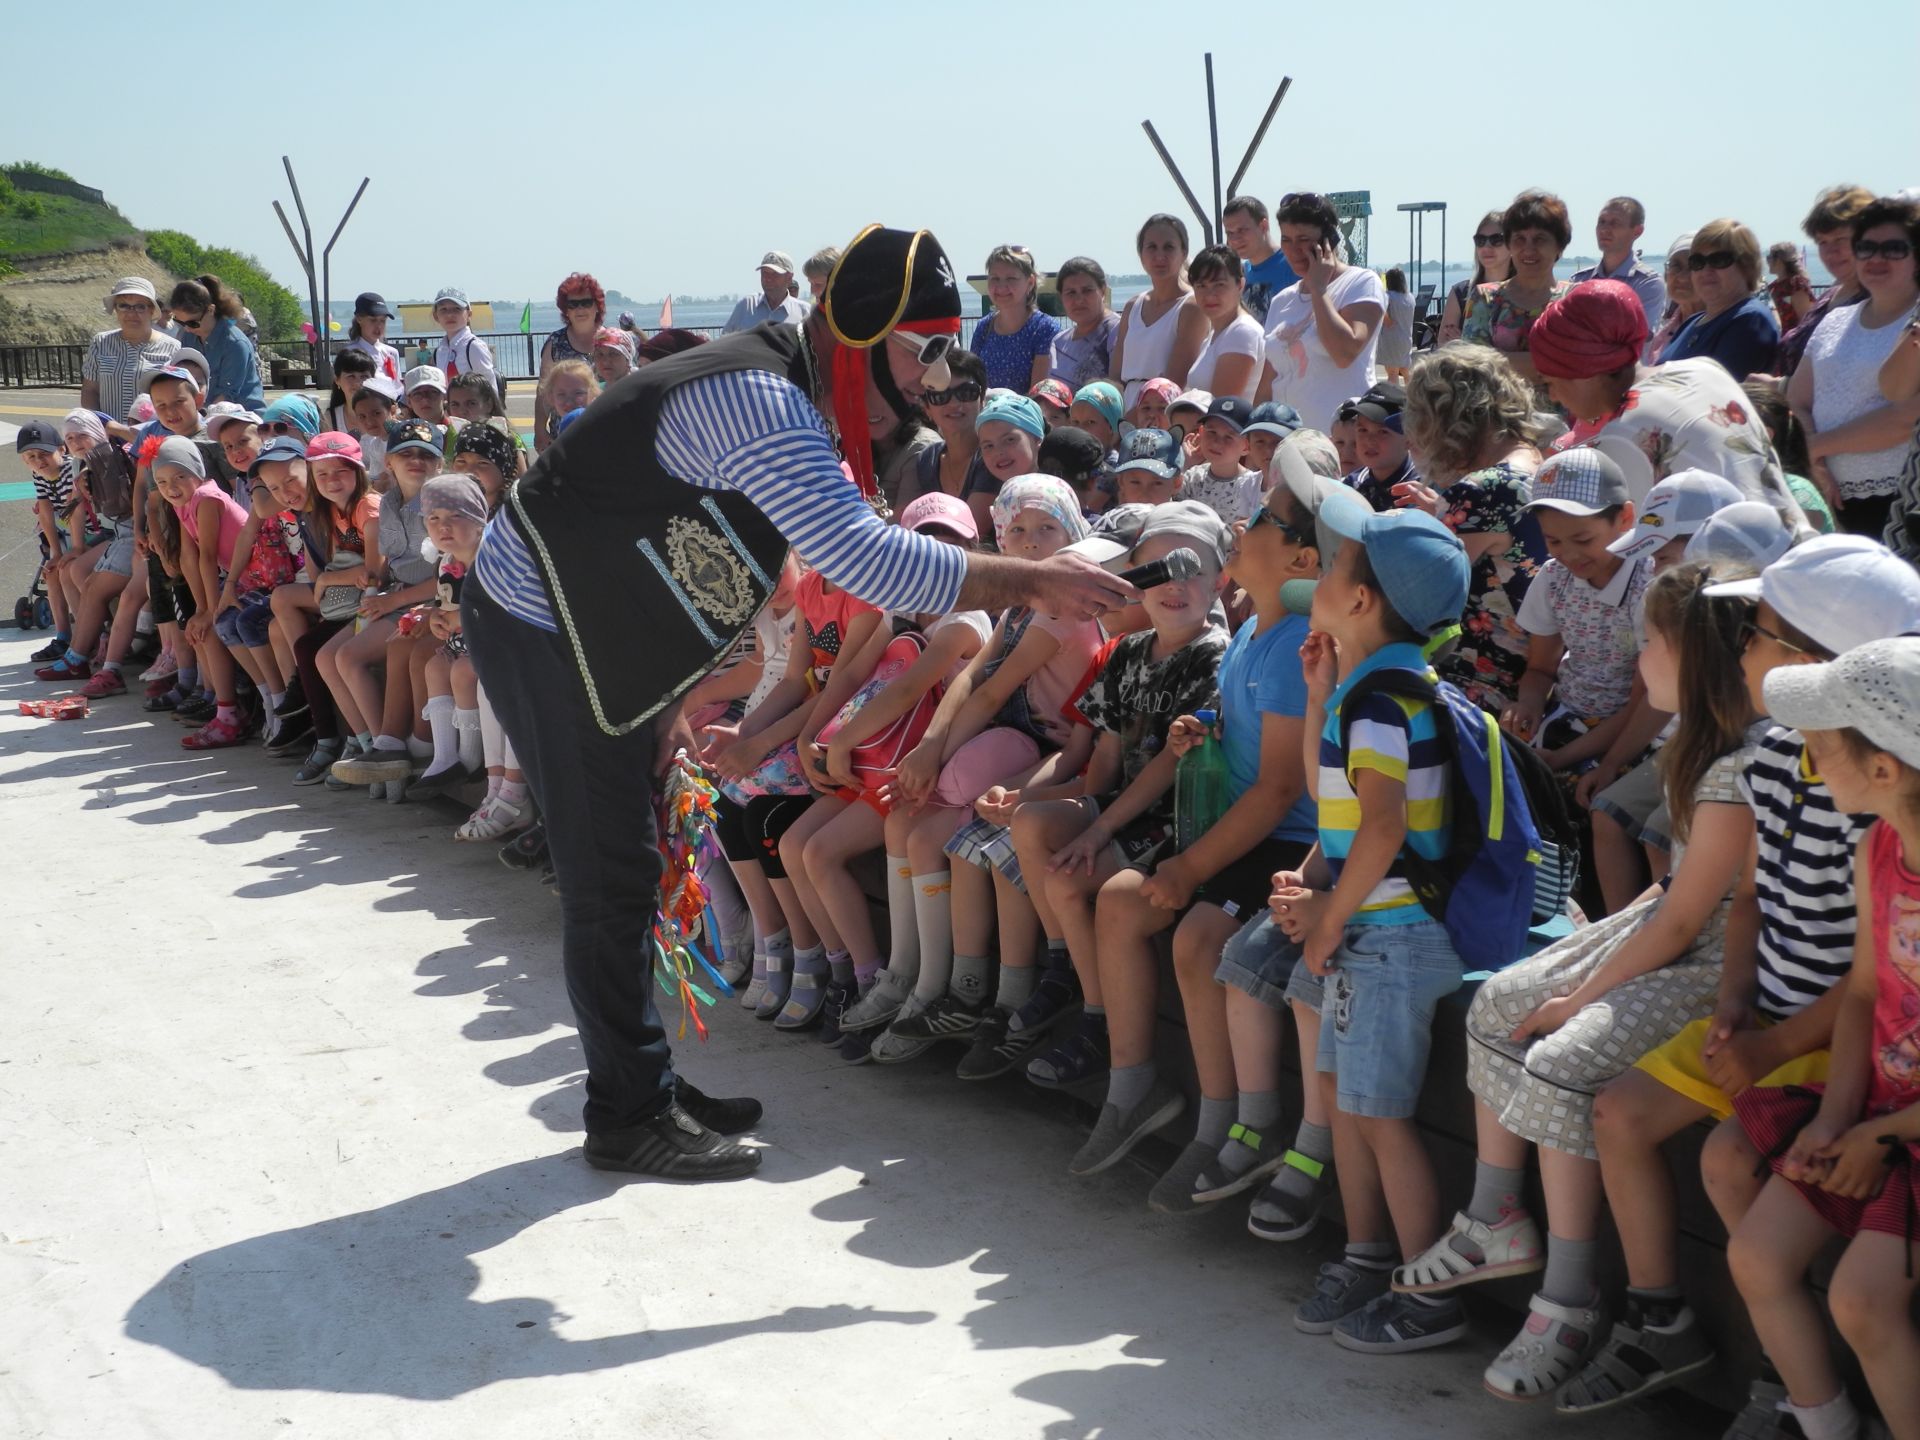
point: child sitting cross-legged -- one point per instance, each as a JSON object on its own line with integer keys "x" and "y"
{"x": 1545, "y": 1033}
{"x": 1845, "y": 1156}
{"x": 1207, "y": 892}
{"x": 1789, "y": 942}
{"x": 1070, "y": 849}
{"x": 1375, "y": 963}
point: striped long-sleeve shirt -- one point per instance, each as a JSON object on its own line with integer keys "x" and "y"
{"x": 754, "y": 432}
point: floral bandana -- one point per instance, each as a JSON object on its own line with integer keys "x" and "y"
{"x": 1038, "y": 492}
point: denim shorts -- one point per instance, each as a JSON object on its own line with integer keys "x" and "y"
{"x": 1638, "y": 805}
{"x": 1376, "y": 1027}
{"x": 117, "y": 559}
{"x": 1260, "y": 962}
{"x": 246, "y": 623}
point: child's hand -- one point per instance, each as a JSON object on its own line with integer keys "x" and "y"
{"x": 1858, "y": 1162}
{"x": 714, "y": 737}
{"x": 913, "y": 782}
{"x": 1320, "y": 944}
{"x": 1728, "y": 1020}
{"x": 1083, "y": 851}
{"x": 1318, "y": 663}
{"x": 1522, "y": 718}
{"x": 739, "y": 758}
{"x": 1739, "y": 1061}
{"x": 1546, "y": 1018}
{"x": 1184, "y": 734}
{"x": 198, "y": 629}
{"x": 996, "y": 807}
{"x": 1295, "y": 909}
{"x": 1417, "y": 495}
{"x": 840, "y": 766}
{"x": 1592, "y": 783}
{"x": 1806, "y": 1159}
{"x": 443, "y": 624}
{"x": 1171, "y": 885}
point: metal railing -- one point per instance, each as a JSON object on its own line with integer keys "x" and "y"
{"x": 32, "y": 367}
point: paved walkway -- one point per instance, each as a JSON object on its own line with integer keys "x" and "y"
{"x": 289, "y": 1106}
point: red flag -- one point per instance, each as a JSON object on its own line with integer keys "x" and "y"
{"x": 666, "y": 313}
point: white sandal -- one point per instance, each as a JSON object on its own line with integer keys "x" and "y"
{"x": 1550, "y": 1349}
{"x": 1470, "y": 1252}
{"x": 493, "y": 821}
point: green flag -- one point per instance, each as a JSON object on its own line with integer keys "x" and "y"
{"x": 526, "y": 319}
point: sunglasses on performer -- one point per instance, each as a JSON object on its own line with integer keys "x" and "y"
{"x": 966, "y": 392}
{"x": 927, "y": 349}
{"x": 1718, "y": 260}
{"x": 1890, "y": 249}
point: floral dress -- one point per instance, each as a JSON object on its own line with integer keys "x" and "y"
{"x": 1493, "y": 319}
{"x": 1491, "y": 657}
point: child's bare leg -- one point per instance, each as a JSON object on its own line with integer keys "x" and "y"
{"x": 327, "y": 660}
{"x": 1872, "y": 1303}
{"x": 1631, "y": 1117}
{"x": 832, "y": 847}
{"x": 1769, "y": 1256}
{"x": 1726, "y": 1168}
{"x": 1124, "y": 925}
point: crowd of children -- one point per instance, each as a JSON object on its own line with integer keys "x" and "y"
{"x": 1725, "y": 697}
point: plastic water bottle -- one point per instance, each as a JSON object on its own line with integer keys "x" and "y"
{"x": 1202, "y": 787}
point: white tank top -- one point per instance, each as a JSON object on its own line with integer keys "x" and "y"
{"x": 1148, "y": 347}
{"x": 1847, "y": 357}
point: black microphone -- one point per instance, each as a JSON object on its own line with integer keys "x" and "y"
{"x": 1182, "y": 564}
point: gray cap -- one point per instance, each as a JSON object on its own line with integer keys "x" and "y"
{"x": 777, "y": 260}
{"x": 453, "y": 293}
{"x": 1190, "y": 520}
{"x": 181, "y": 454}
{"x": 1749, "y": 533}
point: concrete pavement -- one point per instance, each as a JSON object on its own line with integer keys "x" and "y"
{"x": 289, "y": 1098}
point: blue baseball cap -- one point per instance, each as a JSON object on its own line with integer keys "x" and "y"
{"x": 281, "y": 447}
{"x": 1015, "y": 410}
{"x": 1149, "y": 449}
{"x": 1420, "y": 564}
{"x": 1273, "y": 418}
{"x": 36, "y": 435}
{"x": 1231, "y": 411}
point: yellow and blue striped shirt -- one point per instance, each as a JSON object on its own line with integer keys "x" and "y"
{"x": 1397, "y": 738}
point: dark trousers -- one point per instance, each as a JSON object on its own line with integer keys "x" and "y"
{"x": 596, "y": 793}
{"x": 326, "y": 718}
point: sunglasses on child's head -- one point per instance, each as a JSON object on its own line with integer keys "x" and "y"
{"x": 966, "y": 392}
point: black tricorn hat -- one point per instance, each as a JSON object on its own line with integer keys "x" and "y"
{"x": 886, "y": 278}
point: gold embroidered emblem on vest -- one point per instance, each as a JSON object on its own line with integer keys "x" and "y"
{"x": 701, "y": 561}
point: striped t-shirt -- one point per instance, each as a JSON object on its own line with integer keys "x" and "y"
{"x": 753, "y": 431}
{"x": 1805, "y": 876}
{"x": 1397, "y": 738}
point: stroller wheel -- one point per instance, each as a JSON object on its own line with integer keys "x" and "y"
{"x": 43, "y": 613}
{"x": 23, "y": 613}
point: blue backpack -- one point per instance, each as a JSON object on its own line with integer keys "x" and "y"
{"x": 1513, "y": 854}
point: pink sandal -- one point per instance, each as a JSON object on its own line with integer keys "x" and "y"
{"x": 216, "y": 734}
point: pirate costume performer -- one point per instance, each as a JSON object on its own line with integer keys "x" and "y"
{"x": 620, "y": 569}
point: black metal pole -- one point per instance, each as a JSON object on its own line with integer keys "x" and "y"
{"x": 323, "y": 352}
{"x": 313, "y": 294}
{"x": 1213, "y": 136}
{"x": 326, "y": 256}
{"x": 1193, "y": 201}
{"x": 1246, "y": 161}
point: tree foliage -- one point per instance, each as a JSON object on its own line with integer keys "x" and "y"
{"x": 276, "y": 308}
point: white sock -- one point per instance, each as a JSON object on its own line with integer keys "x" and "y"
{"x": 933, "y": 912}
{"x": 275, "y": 698}
{"x": 493, "y": 739}
{"x": 418, "y": 749}
{"x": 513, "y": 792}
{"x": 446, "y": 739}
{"x": 389, "y": 742}
{"x": 1835, "y": 1420}
{"x": 467, "y": 723}
{"x": 729, "y": 907}
{"x": 493, "y": 785}
{"x": 903, "y": 954}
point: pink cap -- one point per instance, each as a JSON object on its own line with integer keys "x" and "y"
{"x": 336, "y": 445}
{"x": 940, "y": 508}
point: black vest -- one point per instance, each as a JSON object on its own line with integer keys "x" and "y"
{"x": 651, "y": 579}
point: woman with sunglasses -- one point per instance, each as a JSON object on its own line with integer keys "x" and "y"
{"x": 1855, "y": 438}
{"x": 1735, "y": 325}
{"x": 1502, "y": 314}
{"x": 1682, "y": 303}
{"x": 117, "y": 359}
{"x": 1491, "y": 265}
{"x": 951, "y": 465}
{"x": 583, "y": 306}
{"x": 208, "y": 315}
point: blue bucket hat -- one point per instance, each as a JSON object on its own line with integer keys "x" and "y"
{"x": 1421, "y": 564}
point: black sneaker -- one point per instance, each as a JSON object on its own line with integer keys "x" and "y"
{"x": 52, "y": 650}
{"x": 947, "y": 1018}
{"x": 727, "y": 1117}
{"x": 441, "y": 781}
{"x": 528, "y": 849}
{"x": 294, "y": 739}
{"x": 1055, "y": 998}
{"x": 840, "y": 994}
{"x": 293, "y": 702}
{"x": 996, "y": 1049}
{"x": 672, "y": 1146}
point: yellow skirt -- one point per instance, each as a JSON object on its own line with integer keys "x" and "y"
{"x": 1678, "y": 1066}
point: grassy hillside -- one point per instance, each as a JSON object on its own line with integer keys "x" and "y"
{"x": 34, "y": 224}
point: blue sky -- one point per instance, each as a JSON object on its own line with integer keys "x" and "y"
{"x": 664, "y": 147}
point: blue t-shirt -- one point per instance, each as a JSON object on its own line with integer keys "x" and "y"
{"x": 1264, "y": 281}
{"x": 1260, "y": 676}
{"x": 1009, "y": 358}
{"x": 1745, "y": 339}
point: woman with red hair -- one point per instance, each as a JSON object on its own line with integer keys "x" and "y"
{"x": 583, "y": 308}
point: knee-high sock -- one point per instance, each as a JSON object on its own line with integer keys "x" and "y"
{"x": 933, "y": 912}
{"x": 903, "y": 950}
{"x": 446, "y": 739}
{"x": 467, "y": 724}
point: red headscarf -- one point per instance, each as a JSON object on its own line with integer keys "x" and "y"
{"x": 1594, "y": 329}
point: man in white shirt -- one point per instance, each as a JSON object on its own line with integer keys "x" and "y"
{"x": 776, "y": 300}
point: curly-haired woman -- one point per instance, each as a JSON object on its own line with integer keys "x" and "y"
{"x": 583, "y": 308}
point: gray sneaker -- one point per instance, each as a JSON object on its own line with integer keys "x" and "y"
{"x": 1762, "y": 1417}
{"x": 893, "y": 1048}
{"x": 1172, "y": 1193}
{"x": 1342, "y": 1290}
{"x": 1115, "y": 1134}
{"x": 1399, "y": 1324}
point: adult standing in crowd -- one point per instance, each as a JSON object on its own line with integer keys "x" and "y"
{"x": 1324, "y": 329}
{"x": 1083, "y": 347}
{"x": 1160, "y": 331}
{"x": 1491, "y": 264}
{"x": 677, "y": 501}
{"x": 776, "y": 300}
{"x": 1502, "y": 315}
{"x": 116, "y": 359}
{"x": 818, "y": 267}
{"x": 1855, "y": 439}
{"x": 368, "y": 332}
{"x": 1829, "y": 225}
{"x": 1231, "y": 359}
{"x": 1682, "y": 303}
{"x": 583, "y": 307}
{"x": 1015, "y": 339}
{"x": 1396, "y": 331}
{"x": 208, "y": 315}
{"x": 1623, "y": 220}
{"x": 1249, "y": 232}
{"x": 1735, "y": 325}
